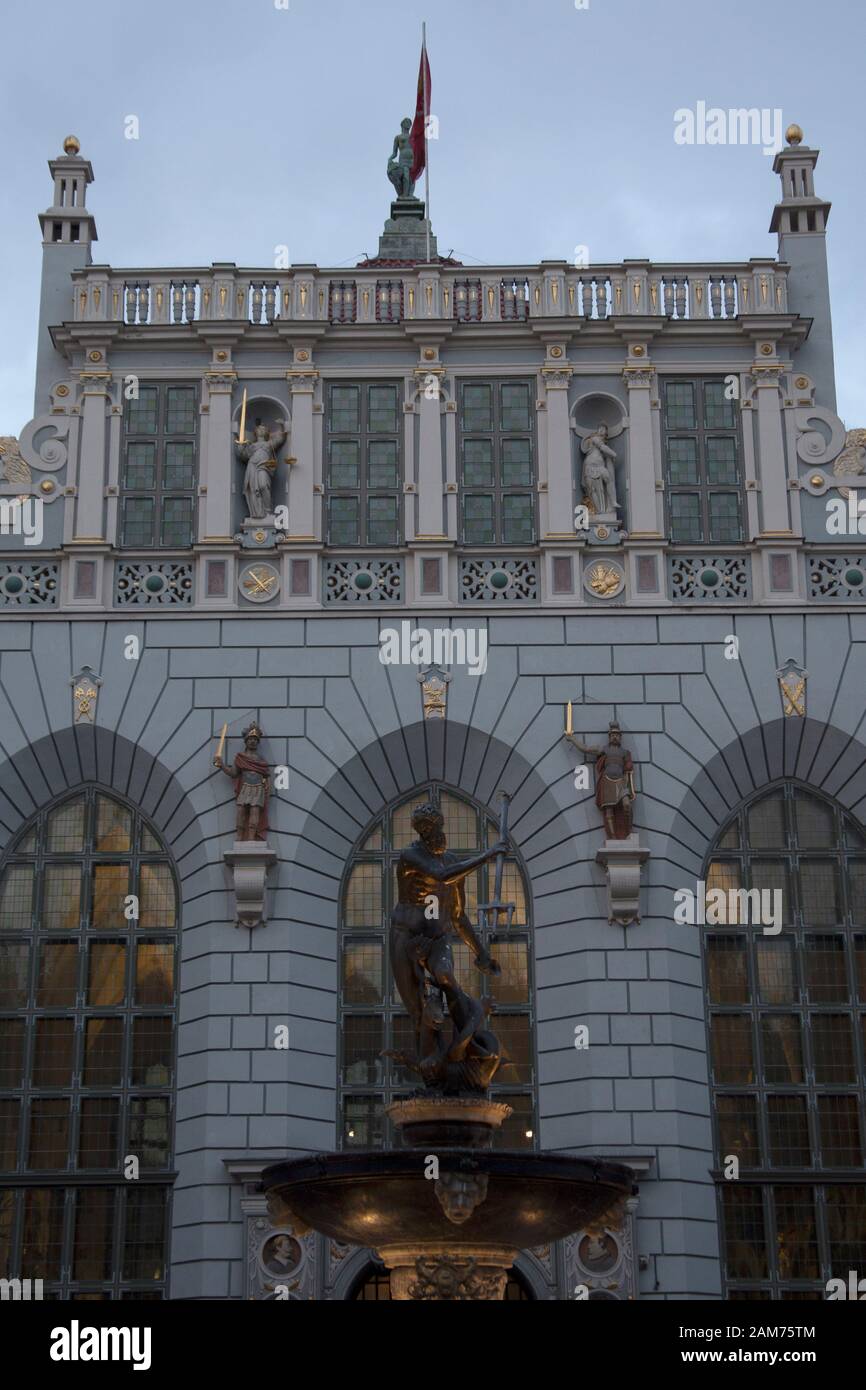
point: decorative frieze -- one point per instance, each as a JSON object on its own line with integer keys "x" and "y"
{"x": 499, "y": 581}
{"x": 710, "y": 578}
{"x": 31, "y": 585}
{"x": 837, "y": 577}
{"x": 362, "y": 582}
{"x": 153, "y": 584}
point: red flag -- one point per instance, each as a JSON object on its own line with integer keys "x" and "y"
{"x": 422, "y": 111}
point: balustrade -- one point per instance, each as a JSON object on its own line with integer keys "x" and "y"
{"x": 183, "y": 297}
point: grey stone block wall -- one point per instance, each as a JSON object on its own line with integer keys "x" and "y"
{"x": 707, "y": 732}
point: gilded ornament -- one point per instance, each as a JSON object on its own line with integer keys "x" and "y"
{"x": 604, "y": 580}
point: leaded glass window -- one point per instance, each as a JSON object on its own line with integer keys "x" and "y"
{"x": 159, "y": 468}
{"x": 497, "y": 462}
{"x": 87, "y": 1051}
{"x": 363, "y": 463}
{"x": 702, "y": 462}
{"x": 373, "y": 1020}
{"x": 787, "y": 1026}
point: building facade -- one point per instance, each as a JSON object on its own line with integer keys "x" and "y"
{"x": 503, "y": 491}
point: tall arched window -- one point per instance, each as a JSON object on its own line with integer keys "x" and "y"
{"x": 372, "y": 1016}
{"x": 787, "y": 1022}
{"x": 88, "y": 927}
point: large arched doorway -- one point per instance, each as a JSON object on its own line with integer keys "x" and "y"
{"x": 372, "y": 1019}
{"x": 88, "y": 948}
{"x": 786, "y": 1009}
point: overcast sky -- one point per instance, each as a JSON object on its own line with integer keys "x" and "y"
{"x": 269, "y": 122}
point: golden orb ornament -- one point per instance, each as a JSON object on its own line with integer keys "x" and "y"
{"x": 794, "y": 135}
{"x": 71, "y": 144}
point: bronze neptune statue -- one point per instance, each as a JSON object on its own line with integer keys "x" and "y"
{"x": 455, "y": 1051}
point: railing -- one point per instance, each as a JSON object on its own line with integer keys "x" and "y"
{"x": 176, "y": 297}
{"x": 389, "y": 301}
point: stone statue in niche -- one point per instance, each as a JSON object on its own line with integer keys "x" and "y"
{"x": 455, "y": 1051}
{"x": 252, "y": 779}
{"x": 598, "y": 477}
{"x": 402, "y": 161}
{"x": 614, "y": 781}
{"x": 260, "y": 457}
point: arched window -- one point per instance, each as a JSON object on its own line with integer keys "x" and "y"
{"x": 372, "y": 1016}
{"x": 88, "y": 927}
{"x": 787, "y": 1023}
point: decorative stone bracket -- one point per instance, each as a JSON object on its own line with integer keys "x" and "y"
{"x": 249, "y": 862}
{"x": 622, "y": 860}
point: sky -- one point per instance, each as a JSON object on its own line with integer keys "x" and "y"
{"x": 264, "y": 123}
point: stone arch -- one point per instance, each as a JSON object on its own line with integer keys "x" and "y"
{"x": 470, "y": 760}
{"x": 61, "y": 762}
{"x": 819, "y": 756}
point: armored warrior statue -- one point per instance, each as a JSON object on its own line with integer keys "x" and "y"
{"x": 456, "y": 1053}
{"x": 614, "y": 782}
{"x": 401, "y": 163}
{"x": 251, "y": 775}
{"x": 260, "y": 457}
{"x": 598, "y": 478}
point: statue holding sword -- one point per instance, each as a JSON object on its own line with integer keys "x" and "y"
{"x": 252, "y": 779}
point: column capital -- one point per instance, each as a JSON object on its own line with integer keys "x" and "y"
{"x": 220, "y": 381}
{"x": 642, "y": 376}
{"x": 302, "y": 381}
{"x": 557, "y": 378}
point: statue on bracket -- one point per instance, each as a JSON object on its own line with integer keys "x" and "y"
{"x": 252, "y": 779}
{"x": 621, "y": 855}
{"x": 251, "y": 856}
{"x": 614, "y": 780}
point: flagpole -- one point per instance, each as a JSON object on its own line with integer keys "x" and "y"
{"x": 426, "y": 143}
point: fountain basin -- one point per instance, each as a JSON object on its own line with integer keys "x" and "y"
{"x": 383, "y": 1199}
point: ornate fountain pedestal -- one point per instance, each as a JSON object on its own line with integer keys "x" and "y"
{"x": 446, "y": 1214}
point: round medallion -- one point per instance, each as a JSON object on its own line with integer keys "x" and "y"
{"x": 429, "y": 354}
{"x": 62, "y": 391}
{"x": 12, "y": 584}
{"x": 499, "y": 579}
{"x": 47, "y": 485}
{"x": 363, "y": 581}
{"x": 710, "y": 578}
{"x": 801, "y": 383}
{"x": 303, "y": 357}
{"x": 854, "y": 578}
{"x": 604, "y": 579}
{"x": 259, "y": 583}
{"x": 816, "y": 480}
{"x": 556, "y": 352}
{"x": 602, "y": 532}
{"x": 222, "y": 356}
{"x": 95, "y": 356}
{"x": 261, "y": 537}
{"x": 155, "y": 583}
{"x": 637, "y": 352}
{"x": 767, "y": 349}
